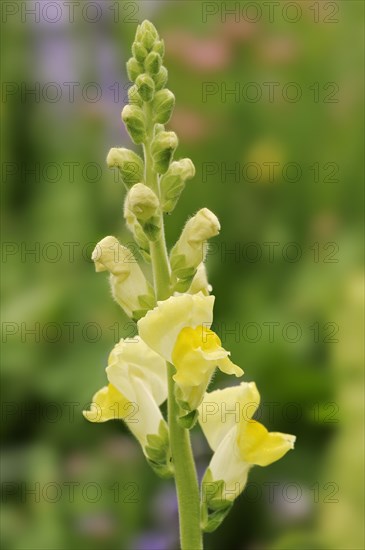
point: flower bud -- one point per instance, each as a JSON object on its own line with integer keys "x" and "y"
{"x": 153, "y": 63}
{"x": 142, "y": 202}
{"x": 133, "y": 118}
{"x": 134, "y": 97}
{"x": 190, "y": 249}
{"x": 147, "y": 34}
{"x": 161, "y": 78}
{"x": 130, "y": 165}
{"x": 134, "y": 69}
{"x": 138, "y": 234}
{"x": 128, "y": 284}
{"x": 146, "y": 87}
{"x": 163, "y": 148}
{"x": 139, "y": 51}
{"x": 163, "y": 104}
{"x": 173, "y": 182}
{"x": 159, "y": 47}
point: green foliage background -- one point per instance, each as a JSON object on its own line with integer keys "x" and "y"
{"x": 311, "y": 387}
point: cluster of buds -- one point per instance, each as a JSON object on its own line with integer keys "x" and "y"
{"x": 149, "y": 77}
{"x": 153, "y": 191}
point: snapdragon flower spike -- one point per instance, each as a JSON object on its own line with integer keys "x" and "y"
{"x": 129, "y": 286}
{"x": 238, "y": 442}
{"x": 179, "y": 330}
{"x": 191, "y": 248}
{"x": 137, "y": 386}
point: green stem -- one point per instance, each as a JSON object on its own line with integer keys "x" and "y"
{"x": 185, "y": 474}
{"x": 160, "y": 266}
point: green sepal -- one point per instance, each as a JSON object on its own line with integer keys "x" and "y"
{"x": 189, "y": 420}
{"x": 146, "y": 87}
{"x": 153, "y": 63}
{"x": 158, "y": 452}
{"x": 162, "y": 470}
{"x": 187, "y": 417}
{"x": 137, "y": 314}
{"x": 211, "y": 520}
{"x": 147, "y": 300}
{"x": 215, "y": 519}
{"x": 152, "y": 229}
{"x": 177, "y": 260}
{"x": 179, "y": 268}
{"x": 183, "y": 285}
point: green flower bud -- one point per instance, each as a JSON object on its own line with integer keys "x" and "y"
{"x": 163, "y": 104}
{"x": 162, "y": 149}
{"x": 146, "y": 87}
{"x": 134, "y": 68}
{"x": 173, "y": 182}
{"x": 130, "y": 165}
{"x": 153, "y": 63}
{"x": 147, "y": 34}
{"x": 139, "y": 235}
{"x": 161, "y": 78}
{"x": 190, "y": 249}
{"x": 159, "y": 47}
{"x": 134, "y": 97}
{"x": 134, "y": 120}
{"x": 139, "y": 51}
{"x": 142, "y": 202}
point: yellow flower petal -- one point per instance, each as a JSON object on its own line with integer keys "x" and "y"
{"x": 224, "y": 410}
{"x": 131, "y": 359}
{"x": 107, "y": 404}
{"x": 198, "y": 352}
{"x": 226, "y": 465}
{"x": 162, "y": 325}
{"x": 258, "y": 446}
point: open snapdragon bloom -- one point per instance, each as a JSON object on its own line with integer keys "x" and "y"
{"x": 137, "y": 386}
{"x": 238, "y": 441}
{"x": 178, "y": 329}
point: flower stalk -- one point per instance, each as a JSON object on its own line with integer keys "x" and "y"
{"x": 176, "y": 353}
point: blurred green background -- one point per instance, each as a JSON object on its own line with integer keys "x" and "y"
{"x": 298, "y": 71}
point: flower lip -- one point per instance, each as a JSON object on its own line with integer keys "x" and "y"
{"x": 160, "y": 327}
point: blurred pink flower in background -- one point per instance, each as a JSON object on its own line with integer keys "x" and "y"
{"x": 242, "y": 31}
{"x": 202, "y": 54}
{"x": 278, "y": 49}
{"x": 190, "y": 125}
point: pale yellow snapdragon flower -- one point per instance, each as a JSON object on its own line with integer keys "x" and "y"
{"x": 178, "y": 329}
{"x": 129, "y": 286}
{"x": 137, "y": 386}
{"x": 238, "y": 441}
